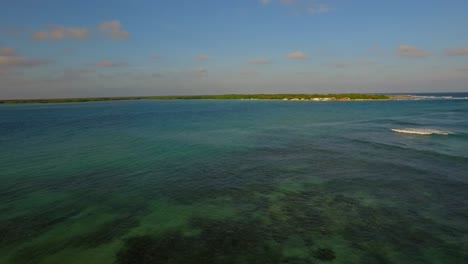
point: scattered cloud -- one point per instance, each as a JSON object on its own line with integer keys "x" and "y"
{"x": 297, "y": 55}
{"x": 375, "y": 51}
{"x": 367, "y": 62}
{"x": 109, "y": 63}
{"x": 4, "y": 72}
{"x": 202, "y": 57}
{"x": 13, "y": 31}
{"x": 16, "y": 61}
{"x": 9, "y": 58}
{"x": 57, "y": 32}
{"x": 344, "y": 64}
{"x": 113, "y": 29}
{"x": 154, "y": 57}
{"x": 249, "y": 73}
{"x": 341, "y": 64}
{"x": 308, "y": 73}
{"x": 68, "y": 51}
{"x": 73, "y": 74}
{"x": 7, "y": 51}
{"x": 317, "y": 9}
{"x": 302, "y": 6}
{"x": 457, "y": 51}
{"x": 200, "y": 72}
{"x": 157, "y": 75}
{"x": 411, "y": 52}
{"x": 109, "y": 75}
{"x": 259, "y": 61}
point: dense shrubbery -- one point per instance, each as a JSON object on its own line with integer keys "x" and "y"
{"x": 192, "y": 97}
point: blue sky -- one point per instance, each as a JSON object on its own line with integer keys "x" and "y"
{"x": 117, "y": 48}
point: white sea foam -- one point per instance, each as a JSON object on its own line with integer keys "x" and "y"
{"x": 433, "y": 97}
{"x": 421, "y": 131}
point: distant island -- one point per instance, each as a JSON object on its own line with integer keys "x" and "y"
{"x": 285, "y": 97}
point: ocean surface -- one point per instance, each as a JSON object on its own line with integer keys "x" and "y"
{"x": 231, "y": 181}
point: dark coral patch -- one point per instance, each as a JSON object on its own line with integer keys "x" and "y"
{"x": 218, "y": 242}
{"x": 324, "y": 254}
{"x": 146, "y": 249}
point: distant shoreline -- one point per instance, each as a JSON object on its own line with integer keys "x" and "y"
{"x": 284, "y": 97}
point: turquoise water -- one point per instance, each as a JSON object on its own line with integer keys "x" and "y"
{"x": 234, "y": 182}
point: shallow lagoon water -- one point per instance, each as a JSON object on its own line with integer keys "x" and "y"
{"x": 234, "y": 182}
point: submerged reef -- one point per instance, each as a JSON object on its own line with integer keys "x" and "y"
{"x": 305, "y": 223}
{"x": 302, "y": 226}
{"x": 266, "y": 214}
{"x": 217, "y": 242}
{"x": 325, "y": 254}
{"x": 269, "y": 220}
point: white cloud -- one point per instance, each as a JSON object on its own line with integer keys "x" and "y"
{"x": 317, "y": 9}
{"x": 411, "y": 52}
{"x": 9, "y": 58}
{"x": 344, "y": 64}
{"x": 109, "y": 63}
{"x": 154, "y": 57}
{"x": 17, "y": 61}
{"x": 202, "y": 57}
{"x": 74, "y": 74}
{"x": 4, "y": 72}
{"x": 259, "y": 61}
{"x": 298, "y": 55}
{"x": 7, "y": 51}
{"x": 287, "y": 2}
{"x": 113, "y": 29}
{"x": 375, "y": 51}
{"x": 457, "y": 51}
{"x": 302, "y": 7}
{"x": 57, "y": 32}
{"x": 249, "y": 73}
{"x": 200, "y": 72}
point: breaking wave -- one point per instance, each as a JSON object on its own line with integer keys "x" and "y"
{"x": 421, "y": 131}
{"x": 437, "y": 97}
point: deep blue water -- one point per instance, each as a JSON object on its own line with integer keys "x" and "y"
{"x": 211, "y": 181}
